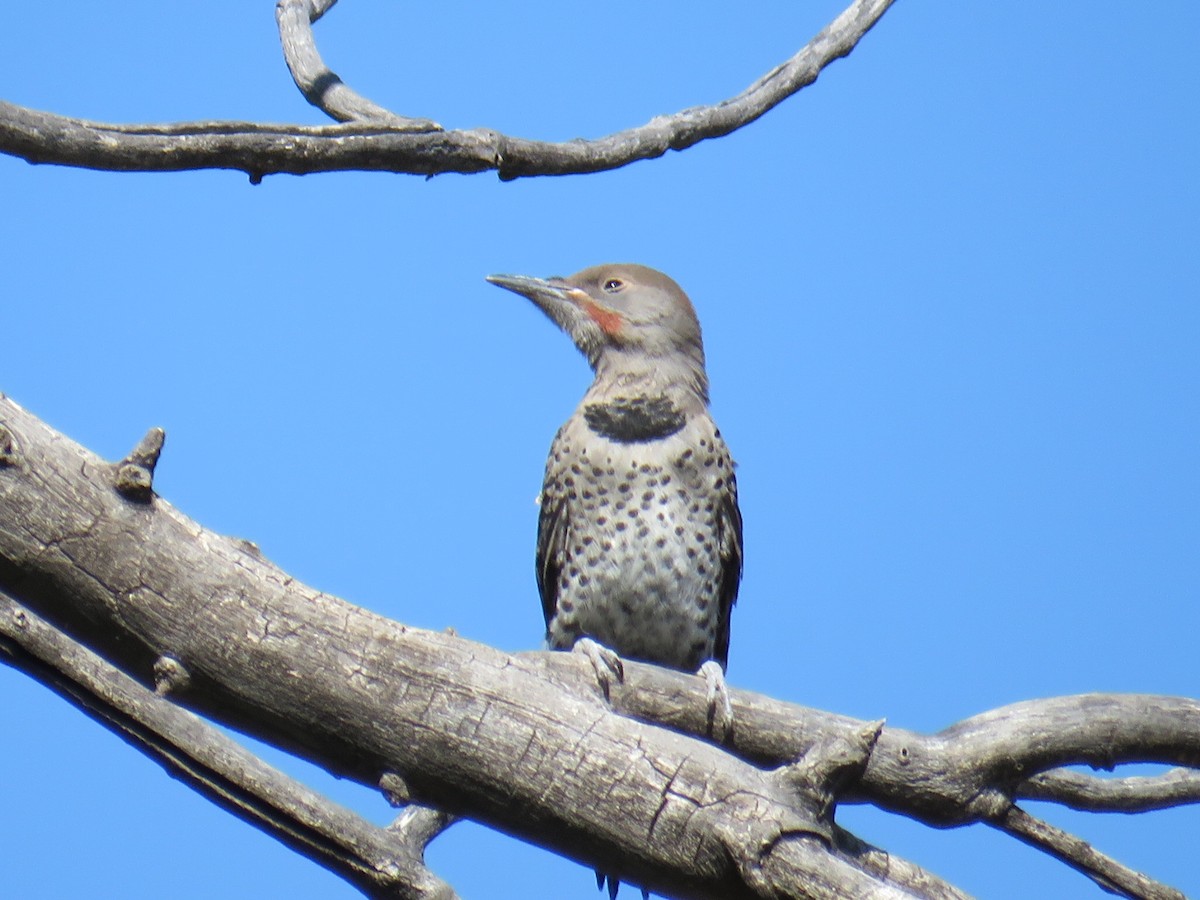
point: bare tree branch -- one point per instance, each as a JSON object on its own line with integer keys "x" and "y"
{"x": 319, "y": 85}
{"x": 952, "y": 777}
{"x": 904, "y": 873}
{"x": 377, "y": 140}
{"x": 1077, "y": 853}
{"x": 380, "y": 862}
{"x": 418, "y": 825}
{"x": 525, "y": 744}
{"x": 1128, "y": 795}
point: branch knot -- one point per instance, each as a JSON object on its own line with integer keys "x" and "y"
{"x": 170, "y": 676}
{"x": 9, "y": 454}
{"x": 135, "y": 473}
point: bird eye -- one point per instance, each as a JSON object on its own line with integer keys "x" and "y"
{"x": 613, "y": 285}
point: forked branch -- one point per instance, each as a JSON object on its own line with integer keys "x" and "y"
{"x": 384, "y": 863}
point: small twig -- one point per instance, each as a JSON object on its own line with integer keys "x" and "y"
{"x": 380, "y": 862}
{"x": 1080, "y": 855}
{"x": 418, "y": 825}
{"x": 1078, "y": 790}
{"x": 822, "y": 773}
{"x": 134, "y": 477}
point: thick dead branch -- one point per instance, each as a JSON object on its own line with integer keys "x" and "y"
{"x": 526, "y": 745}
{"x": 380, "y": 862}
{"x": 899, "y": 871}
{"x": 378, "y": 140}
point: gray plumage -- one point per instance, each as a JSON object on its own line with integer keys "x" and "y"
{"x": 639, "y": 536}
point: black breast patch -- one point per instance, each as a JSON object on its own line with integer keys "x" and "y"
{"x": 635, "y": 420}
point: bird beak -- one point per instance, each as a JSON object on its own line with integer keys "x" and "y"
{"x": 541, "y": 291}
{"x": 570, "y": 307}
{"x": 558, "y": 300}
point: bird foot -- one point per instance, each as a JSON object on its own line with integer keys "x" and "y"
{"x": 605, "y": 663}
{"x": 614, "y": 885}
{"x": 720, "y": 710}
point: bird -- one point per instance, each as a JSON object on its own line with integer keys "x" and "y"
{"x": 639, "y": 542}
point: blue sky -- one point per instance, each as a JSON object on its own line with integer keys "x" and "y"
{"x": 951, "y": 311}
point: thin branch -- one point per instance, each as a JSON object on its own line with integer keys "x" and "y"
{"x": 379, "y": 862}
{"x": 255, "y": 148}
{"x": 317, "y": 82}
{"x": 259, "y": 150}
{"x": 1136, "y": 794}
{"x": 1080, "y": 855}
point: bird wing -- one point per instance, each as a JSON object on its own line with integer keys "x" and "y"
{"x": 551, "y": 550}
{"x": 729, "y": 532}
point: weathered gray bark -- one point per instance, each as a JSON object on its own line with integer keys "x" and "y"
{"x": 377, "y": 139}
{"x": 524, "y": 743}
{"x": 380, "y": 862}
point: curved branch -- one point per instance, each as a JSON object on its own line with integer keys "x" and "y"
{"x": 389, "y": 145}
{"x": 317, "y": 82}
{"x": 1128, "y": 795}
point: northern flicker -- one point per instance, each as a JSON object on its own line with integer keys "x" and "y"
{"x": 639, "y": 543}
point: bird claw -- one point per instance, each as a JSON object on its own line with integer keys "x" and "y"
{"x": 614, "y": 885}
{"x": 605, "y": 663}
{"x": 720, "y": 710}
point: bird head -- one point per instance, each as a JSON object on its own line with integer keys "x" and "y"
{"x": 625, "y": 318}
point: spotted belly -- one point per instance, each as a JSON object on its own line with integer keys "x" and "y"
{"x": 639, "y": 566}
